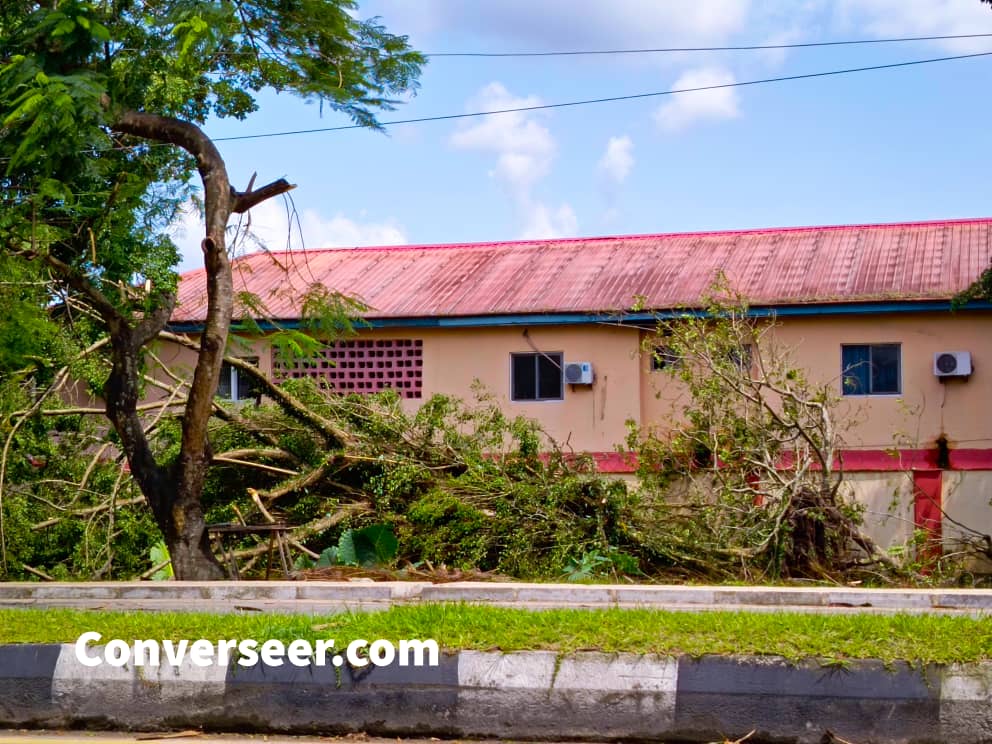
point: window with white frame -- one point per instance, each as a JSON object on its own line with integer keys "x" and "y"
{"x": 236, "y": 384}
{"x": 871, "y": 369}
{"x": 536, "y": 376}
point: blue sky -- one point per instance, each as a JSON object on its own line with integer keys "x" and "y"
{"x": 892, "y": 145}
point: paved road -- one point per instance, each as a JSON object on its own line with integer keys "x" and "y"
{"x": 8, "y": 736}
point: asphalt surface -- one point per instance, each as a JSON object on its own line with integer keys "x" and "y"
{"x": 14, "y": 736}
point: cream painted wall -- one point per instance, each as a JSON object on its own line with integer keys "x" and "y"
{"x": 917, "y": 417}
{"x": 887, "y": 499}
{"x": 592, "y": 417}
{"x": 967, "y": 501}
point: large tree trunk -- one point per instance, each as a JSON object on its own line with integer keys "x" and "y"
{"x": 175, "y": 494}
{"x": 189, "y": 544}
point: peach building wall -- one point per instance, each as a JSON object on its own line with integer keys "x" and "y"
{"x": 926, "y": 408}
{"x": 592, "y": 418}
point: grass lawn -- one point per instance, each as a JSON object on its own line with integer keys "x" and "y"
{"x": 915, "y": 638}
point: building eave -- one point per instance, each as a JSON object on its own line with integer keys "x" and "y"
{"x": 829, "y": 309}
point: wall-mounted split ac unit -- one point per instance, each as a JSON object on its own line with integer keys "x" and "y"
{"x": 952, "y": 363}
{"x": 579, "y": 373}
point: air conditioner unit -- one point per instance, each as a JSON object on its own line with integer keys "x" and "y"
{"x": 578, "y": 373}
{"x": 952, "y": 363}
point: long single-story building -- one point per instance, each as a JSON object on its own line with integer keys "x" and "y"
{"x": 555, "y": 328}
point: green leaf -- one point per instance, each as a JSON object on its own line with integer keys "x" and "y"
{"x": 63, "y": 27}
{"x": 380, "y": 542}
{"x": 375, "y": 545}
{"x": 159, "y": 553}
{"x": 328, "y": 557}
{"x": 99, "y": 31}
{"x": 347, "y": 550}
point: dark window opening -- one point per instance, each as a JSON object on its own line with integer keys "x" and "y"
{"x": 742, "y": 357}
{"x": 536, "y": 376}
{"x": 664, "y": 357}
{"x": 870, "y": 369}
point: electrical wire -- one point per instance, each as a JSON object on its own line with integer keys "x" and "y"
{"x": 654, "y": 50}
{"x": 584, "y": 102}
{"x": 609, "y": 99}
{"x": 739, "y": 48}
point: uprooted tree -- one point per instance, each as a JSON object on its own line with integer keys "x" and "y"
{"x": 101, "y": 107}
{"x": 743, "y": 481}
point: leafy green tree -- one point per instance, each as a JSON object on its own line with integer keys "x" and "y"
{"x": 101, "y": 108}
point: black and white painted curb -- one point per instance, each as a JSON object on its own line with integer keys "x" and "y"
{"x": 526, "y": 695}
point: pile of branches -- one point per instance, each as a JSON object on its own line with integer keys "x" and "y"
{"x": 743, "y": 482}
{"x": 460, "y": 485}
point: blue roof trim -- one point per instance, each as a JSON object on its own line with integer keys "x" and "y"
{"x": 533, "y": 319}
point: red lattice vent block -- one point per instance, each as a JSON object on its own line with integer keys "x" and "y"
{"x": 365, "y": 366}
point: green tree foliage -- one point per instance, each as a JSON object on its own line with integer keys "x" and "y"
{"x": 29, "y": 341}
{"x": 458, "y": 484}
{"x": 743, "y": 481}
{"x": 101, "y": 103}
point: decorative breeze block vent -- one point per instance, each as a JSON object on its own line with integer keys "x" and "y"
{"x": 363, "y": 366}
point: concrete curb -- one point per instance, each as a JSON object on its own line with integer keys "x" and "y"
{"x": 526, "y": 695}
{"x": 330, "y": 596}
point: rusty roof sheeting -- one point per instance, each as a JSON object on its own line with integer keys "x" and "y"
{"x": 786, "y": 266}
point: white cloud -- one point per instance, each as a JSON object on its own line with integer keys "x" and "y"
{"x": 613, "y": 168}
{"x": 542, "y": 222}
{"x": 270, "y": 226}
{"x": 187, "y": 234}
{"x": 684, "y": 109}
{"x": 524, "y": 149}
{"x": 618, "y": 160}
{"x": 886, "y": 18}
{"x": 570, "y": 23}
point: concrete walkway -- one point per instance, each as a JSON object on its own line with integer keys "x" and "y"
{"x": 318, "y": 597}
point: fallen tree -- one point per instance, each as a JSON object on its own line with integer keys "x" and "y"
{"x": 743, "y": 481}
{"x": 741, "y": 485}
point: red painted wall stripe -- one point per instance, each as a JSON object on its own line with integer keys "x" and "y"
{"x": 927, "y": 515}
{"x": 852, "y": 461}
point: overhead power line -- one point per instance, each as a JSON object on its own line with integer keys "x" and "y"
{"x": 609, "y": 99}
{"x": 739, "y": 48}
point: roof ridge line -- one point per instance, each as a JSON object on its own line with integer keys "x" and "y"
{"x": 634, "y": 236}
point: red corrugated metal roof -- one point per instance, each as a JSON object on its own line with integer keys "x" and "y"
{"x": 785, "y": 266}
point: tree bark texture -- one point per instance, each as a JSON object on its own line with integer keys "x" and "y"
{"x": 174, "y": 495}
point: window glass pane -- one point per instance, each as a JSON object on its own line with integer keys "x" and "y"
{"x": 523, "y": 373}
{"x": 549, "y": 379}
{"x": 742, "y": 357}
{"x": 855, "y": 369}
{"x": 664, "y": 357}
{"x": 885, "y": 368}
{"x": 247, "y": 387}
{"x": 224, "y": 387}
